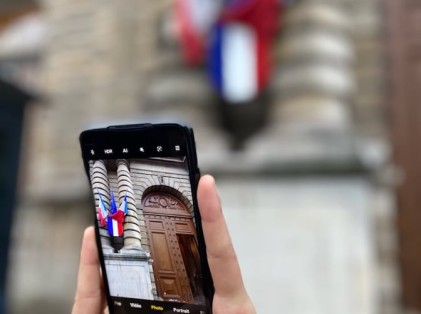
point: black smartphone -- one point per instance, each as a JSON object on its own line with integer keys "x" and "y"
{"x": 144, "y": 179}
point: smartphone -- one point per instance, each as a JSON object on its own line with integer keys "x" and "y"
{"x": 144, "y": 179}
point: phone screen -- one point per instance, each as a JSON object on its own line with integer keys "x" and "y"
{"x": 146, "y": 223}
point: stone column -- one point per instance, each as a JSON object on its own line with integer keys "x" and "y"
{"x": 132, "y": 236}
{"x": 315, "y": 79}
{"x": 100, "y": 185}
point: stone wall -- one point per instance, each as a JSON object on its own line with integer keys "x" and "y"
{"x": 108, "y": 61}
{"x": 132, "y": 181}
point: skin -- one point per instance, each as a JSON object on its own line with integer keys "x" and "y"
{"x": 230, "y": 294}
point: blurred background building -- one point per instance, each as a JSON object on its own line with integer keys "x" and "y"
{"x": 321, "y": 200}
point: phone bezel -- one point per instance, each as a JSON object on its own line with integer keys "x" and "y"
{"x": 168, "y": 134}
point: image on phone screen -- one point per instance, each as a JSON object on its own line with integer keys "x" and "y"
{"x": 148, "y": 239}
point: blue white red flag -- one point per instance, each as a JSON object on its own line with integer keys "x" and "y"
{"x": 124, "y": 205}
{"x": 239, "y": 54}
{"x": 115, "y": 219}
{"x": 233, "y": 63}
{"x": 194, "y": 19}
{"x": 102, "y": 211}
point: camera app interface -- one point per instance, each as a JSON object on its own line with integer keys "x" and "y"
{"x": 145, "y": 215}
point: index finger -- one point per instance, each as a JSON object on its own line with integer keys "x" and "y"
{"x": 222, "y": 259}
{"x": 89, "y": 297}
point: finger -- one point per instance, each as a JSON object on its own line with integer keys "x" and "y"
{"x": 222, "y": 259}
{"x": 89, "y": 293}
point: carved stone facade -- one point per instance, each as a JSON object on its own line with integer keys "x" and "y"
{"x": 105, "y": 61}
{"x": 157, "y": 192}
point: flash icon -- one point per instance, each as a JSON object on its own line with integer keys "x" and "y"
{"x": 92, "y": 152}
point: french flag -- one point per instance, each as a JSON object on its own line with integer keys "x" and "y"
{"x": 102, "y": 211}
{"x": 233, "y": 62}
{"x": 115, "y": 219}
{"x": 124, "y": 205}
{"x": 239, "y": 53}
{"x": 194, "y": 19}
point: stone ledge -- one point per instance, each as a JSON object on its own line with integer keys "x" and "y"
{"x": 280, "y": 155}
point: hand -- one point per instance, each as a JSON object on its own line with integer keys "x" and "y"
{"x": 90, "y": 295}
{"x": 230, "y": 294}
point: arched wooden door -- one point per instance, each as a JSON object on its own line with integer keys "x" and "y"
{"x": 174, "y": 250}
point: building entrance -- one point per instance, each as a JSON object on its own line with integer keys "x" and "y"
{"x": 174, "y": 249}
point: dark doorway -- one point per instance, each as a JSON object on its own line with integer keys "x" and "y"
{"x": 12, "y": 103}
{"x": 190, "y": 255}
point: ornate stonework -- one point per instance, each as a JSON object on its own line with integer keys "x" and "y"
{"x": 163, "y": 201}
